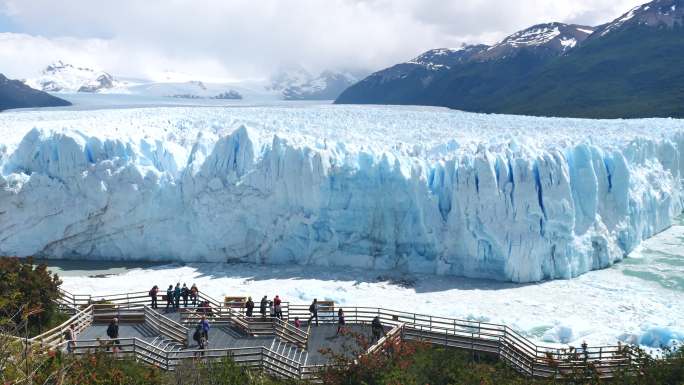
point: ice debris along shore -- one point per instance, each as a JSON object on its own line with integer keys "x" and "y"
{"x": 414, "y": 189}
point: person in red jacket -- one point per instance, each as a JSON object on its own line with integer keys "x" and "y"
{"x": 278, "y": 310}
{"x": 153, "y": 296}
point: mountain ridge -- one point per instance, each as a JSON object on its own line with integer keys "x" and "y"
{"x": 15, "y": 94}
{"x": 551, "y": 77}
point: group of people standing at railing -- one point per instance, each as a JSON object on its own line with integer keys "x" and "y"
{"x": 275, "y": 307}
{"x": 174, "y": 295}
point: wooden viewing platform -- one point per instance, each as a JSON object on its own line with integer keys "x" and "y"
{"x": 277, "y": 346}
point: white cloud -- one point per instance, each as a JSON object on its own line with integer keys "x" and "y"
{"x": 243, "y": 38}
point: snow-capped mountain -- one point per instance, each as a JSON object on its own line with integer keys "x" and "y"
{"x": 517, "y": 54}
{"x": 299, "y": 84}
{"x": 445, "y": 58}
{"x": 657, "y": 13}
{"x": 630, "y": 67}
{"x": 547, "y": 39}
{"x": 65, "y": 77}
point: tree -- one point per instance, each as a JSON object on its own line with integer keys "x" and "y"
{"x": 31, "y": 288}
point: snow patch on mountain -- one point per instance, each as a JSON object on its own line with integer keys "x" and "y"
{"x": 64, "y": 77}
{"x": 655, "y": 13}
{"x": 445, "y": 58}
{"x": 411, "y": 189}
{"x": 553, "y": 38}
{"x": 533, "y": 36}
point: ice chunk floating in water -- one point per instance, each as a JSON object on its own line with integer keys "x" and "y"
{"x": 414, "y": 189}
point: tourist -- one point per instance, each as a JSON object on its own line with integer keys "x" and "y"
{"x": 113, "y": 333}
{"x": 313, "y": 309}
{"x": 377, "y": 328}
{"x": 153, "y": 296}
{"x": 169, "y": 298}
{"x": 249, "y": 305}
{"x": 70, "y": 337}
{"x": 176, "y": 296}
{"x": 340, "y": 321}
{"x": 271, "y": 312}
{"x": 201, "y": 339}
{"x": 205, "y": 308}
{"x": 185, "y": 292}
{"x": 198, "y": 337}
{"x": 205, "y": 328}
{"x": 277, "y": 307}
{"x": 297, "y": 323}
{"x": 262, "y": 307}
{"x": 193, "y": 294}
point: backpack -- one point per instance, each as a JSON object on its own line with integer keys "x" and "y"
{"x": 110, "y": 331}
{"x": 312, "y": 308}
{"x": 197, "y": 335}
{"x": 151, "y": 293}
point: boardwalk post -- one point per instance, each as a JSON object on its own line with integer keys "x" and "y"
{"x": 472, "y": 346}
{"x": 532, "y": 368}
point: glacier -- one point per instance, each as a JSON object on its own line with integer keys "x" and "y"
{"x": 413, "y": 189}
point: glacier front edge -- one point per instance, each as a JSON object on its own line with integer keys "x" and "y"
{"x": 508, "y": 211}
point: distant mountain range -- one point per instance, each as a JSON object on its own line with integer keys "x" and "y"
{"x": 15, "y": 94}
{"x": 294, "y": 83}
{"x": 631, "y": 67}
{"x": 299, "y": 84}
{"x": 64, "y": 77}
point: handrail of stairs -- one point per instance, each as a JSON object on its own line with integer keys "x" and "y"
{"x": 166, "y": 326}
{"x": 81, "y": 320}
{"x": 391, "y": 336}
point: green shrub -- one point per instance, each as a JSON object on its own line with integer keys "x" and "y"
{"x": 28, "y": 291}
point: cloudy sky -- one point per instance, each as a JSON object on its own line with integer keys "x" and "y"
{"x": 238, "y": 39}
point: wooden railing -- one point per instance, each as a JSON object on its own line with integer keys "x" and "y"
{"x": 289, "y": 333}
{"x": 392, "y": 336}
{"x": 259, "y": 357}
{"x": 81, "y": 320}
{"x": 519, "y": 352}
{"x": 166, "y": 327}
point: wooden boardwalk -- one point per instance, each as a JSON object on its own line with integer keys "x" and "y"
{"x": 276, "y": 346}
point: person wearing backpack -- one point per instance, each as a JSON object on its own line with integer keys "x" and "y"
{"x": 153, "y": 296}
{"x": 113, "y": 334}
{"x": 262, "y": 307}
{"x": 176, "y": 296}
{"x": 185, "y": 293}
{"x": 249, "y": 305}
{"x": 169, "y": 298}
{"x": 313, "y": 309}
{"x": 198, "y": 336}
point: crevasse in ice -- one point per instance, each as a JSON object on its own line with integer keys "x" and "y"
{"x": 313, "y": 186}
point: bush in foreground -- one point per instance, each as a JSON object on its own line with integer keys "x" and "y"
{"x": 28, "y": 293}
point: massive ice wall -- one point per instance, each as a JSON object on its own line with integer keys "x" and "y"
{"x": 510, "y": 214}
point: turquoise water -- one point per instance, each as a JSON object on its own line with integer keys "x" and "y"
{"x": 660, "y": 259}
